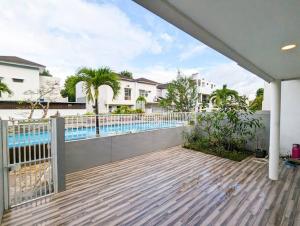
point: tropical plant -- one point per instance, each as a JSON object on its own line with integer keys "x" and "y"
{"x": 256, "y": 104}
{"x": 222, "y": 96}
{"x": 165, "y": 104}
{"x": 127, "y": 74}
{"x": 141, "y": 102}
{"x": 225, "y": 131}
{"x": 70, "y": 88}
{"x": 94, "y": 78}
{"x": 127, "y": 110}
{"x": 181, "y": 94}
{"x": 4, "y": 89}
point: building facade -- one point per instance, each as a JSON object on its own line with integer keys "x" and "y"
{"x": 131, "y": 89}
{"x": 26, "y": 79}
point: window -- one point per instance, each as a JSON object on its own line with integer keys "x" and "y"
{"x": 127, "y": 93}
{"x": 19, "y": 80}
{"x": 143, "y": 93}
{"x": 212, "y": 86}
{"x": 203, "y": 84}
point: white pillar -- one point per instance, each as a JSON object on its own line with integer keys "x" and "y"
{"x": 274, "y": 147}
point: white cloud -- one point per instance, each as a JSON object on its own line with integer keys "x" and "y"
{"x": 65, "y": 35}
{"x": 162, "y": 74}
{"x": 235, "y": 77}
{"x": 191, "y": 51}
{"x": 166, "y": 37}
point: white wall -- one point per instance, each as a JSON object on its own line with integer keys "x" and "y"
{"x": 30, "y": 76}
{"x": 152, "y": 93}
{"x": 6, "y": 114}
{"x": 106, "y": 95}
{"x": 290, "y": 114}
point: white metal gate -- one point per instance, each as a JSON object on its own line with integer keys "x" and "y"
{"x": 27, "y": 160}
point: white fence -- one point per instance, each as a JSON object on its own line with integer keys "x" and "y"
{"x": 28, "y": 147}
{"x": 80, "y": 127}
{"x": 27, "y": 160}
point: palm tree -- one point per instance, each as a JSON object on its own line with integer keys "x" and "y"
{"x": 142, "y": 101}
{"x": 93, "y": 79}
{"x": 222, "y": 96}
{"x": 127, "y": 74}
{"x": 4, "y": 89}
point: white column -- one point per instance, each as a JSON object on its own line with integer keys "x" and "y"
{"x": 274, "y": 147}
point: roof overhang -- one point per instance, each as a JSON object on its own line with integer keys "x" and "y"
{"x": 249, "y": 32}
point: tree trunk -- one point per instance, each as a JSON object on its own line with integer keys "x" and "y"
{"x": 45, "y": 110}
{"x": 97, "y": 117}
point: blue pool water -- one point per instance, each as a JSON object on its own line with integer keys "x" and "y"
{"x": 27, "y": 139}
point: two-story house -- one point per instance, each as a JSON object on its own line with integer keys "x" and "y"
{"x": 129, "y": 91}
{"x": 22, "y": 75}
{"x": 132, "y": 88}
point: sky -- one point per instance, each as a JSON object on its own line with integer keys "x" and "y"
{"x": 66, "y": 35}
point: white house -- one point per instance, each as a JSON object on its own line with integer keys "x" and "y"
{"x": 205, "y": 89}
{"x": 25, "y": 79}
{"x": 131, "y": 89}
{"x": 22, "y": 75}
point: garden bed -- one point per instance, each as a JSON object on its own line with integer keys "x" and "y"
{"x": 232, "y": 155}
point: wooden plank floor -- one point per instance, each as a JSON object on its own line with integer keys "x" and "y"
{"x": 170, "y": 187}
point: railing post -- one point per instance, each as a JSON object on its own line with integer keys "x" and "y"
{"x": 4, "y": 161}
{"x": 58, "y": 153}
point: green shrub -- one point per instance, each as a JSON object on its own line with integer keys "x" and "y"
{"x": 127, "y": 110}
{"x": 224, "y": 132}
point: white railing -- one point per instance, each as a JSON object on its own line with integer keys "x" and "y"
{"x": 81, "y": 127}
{"x": 28, "y": 160}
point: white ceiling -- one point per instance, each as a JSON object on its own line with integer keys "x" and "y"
{"x": 251, "y": 32}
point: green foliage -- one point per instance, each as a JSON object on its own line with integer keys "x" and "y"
{"x": 127, "y": 110}
{"x": 141, "y": 103}
{"x": 127, "y": 74}
{"x": 69, "y": 88}
{"x": 89, "y": 113}
{"x": 225, "y": 132}
{"x": 93, "y": 79}
{"x": 182, "y": 95}
{"x": 46, "y": 73}
{"x": 256, "y": 104}
{"x": 222, "y": 96}
{"x": 141, "y": 99}
{"x": 165, "y": 103}
{"x": 4, "y": 88}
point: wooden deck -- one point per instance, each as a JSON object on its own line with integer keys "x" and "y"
{"x": 171, "y": 187}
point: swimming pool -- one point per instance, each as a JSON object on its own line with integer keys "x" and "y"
{"x": 43, "y": 137}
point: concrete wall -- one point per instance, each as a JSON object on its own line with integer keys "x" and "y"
{"x": 262, "y": 136}
{"x": 83, "y": 154}
{"x": 290, "y": 114}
